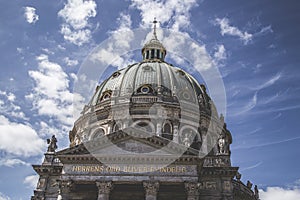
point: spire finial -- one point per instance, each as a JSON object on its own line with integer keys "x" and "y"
{"x": 154, "y": 29}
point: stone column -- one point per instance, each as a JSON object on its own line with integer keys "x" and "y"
{"x": 175, "y": 134}
{"x": 158, "y": 128}
{"x": 64, "y": 191}
{"x": 151, "y": 189}
{"x": 104, "y": 189}
{"x": 192, "y": 189}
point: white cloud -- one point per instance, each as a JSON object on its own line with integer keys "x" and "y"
{"x": 70, "y": 62}
{"x": 19, "y": 139}
{"x": 174, "y": 12}
{"x": 52, "y": 98}
{"x": 78, "y": 37}
{"x": 31, "y": 181}
{"x": 3, "y": 196}
{"x": 119, "y": 42}
{"x": 12, "y": 162}
{"x": 30, "y": 15}
{"x": 227, "y": 29}
{"x": 51, "y": 95}
{"x": 220, "y": 54}
{"x": 278, "y": 193}
{"x": 8, "y": 106}
{"x": 75, "y": 15}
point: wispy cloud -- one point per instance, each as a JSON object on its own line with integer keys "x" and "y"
{"x": 12, "y": 162}
{"x": 3, "y": 196}
{"x": 228, "y": 29}
{"x": 264, "y": 30}
{"x": 268, "y": 83}
{"x": 31, "y": 181}
{"x": 265, "y": 144}
{"x": 247, "y": 107}
{"x": 251, "y": 167}
{"x": 220, "y": 54}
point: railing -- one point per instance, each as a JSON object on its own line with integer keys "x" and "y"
{"x": 144, "y": 99}
{"x": 241, "y": 191}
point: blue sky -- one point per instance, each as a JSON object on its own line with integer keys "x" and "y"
{"x": 255, "y": 45}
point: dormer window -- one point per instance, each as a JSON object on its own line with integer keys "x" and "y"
{"x": 116, "y": 74}
{"x": 106, "y": 95}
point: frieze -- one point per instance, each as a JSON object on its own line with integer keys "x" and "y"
{"x": 208, "y": 185}
{"x": 96, "y": 169}
{"x": 218, "y": 161}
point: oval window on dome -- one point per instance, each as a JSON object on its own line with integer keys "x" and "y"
{"x": 180, "y": 72}
{"x": 116, "y": 74}
{"x": 145, "y": 89}
{"x": 106, "y": 95}
{"x": 186, "y": 95}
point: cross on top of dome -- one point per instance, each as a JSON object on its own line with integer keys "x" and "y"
{"x": 154, "y": 28}
{"x": 154, "y": 49}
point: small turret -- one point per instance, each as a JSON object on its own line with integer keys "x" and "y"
{"x": 154, "y": 50}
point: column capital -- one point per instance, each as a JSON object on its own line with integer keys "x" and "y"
{"x": 192, "y": 189}
{"x": 151, "y": 188}
{"x": 104, "y": 186}
{"x": 64, "y": 186}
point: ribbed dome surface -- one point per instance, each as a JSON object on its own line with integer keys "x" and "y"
{"x": 160, "y": 77}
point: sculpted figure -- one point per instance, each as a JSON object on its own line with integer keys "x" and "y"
{"x": 52, "y": 144}
{"x": 221, "y": 144}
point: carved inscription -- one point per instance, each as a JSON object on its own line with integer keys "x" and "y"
{"x": 134, "y": 169}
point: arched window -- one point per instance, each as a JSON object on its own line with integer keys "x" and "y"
{"x": 98, "y": 133}
{"x": 152, "y": 53}
{"x": 167, "y": 131}
{"x": 106, "y": 95}
{"x": 116, "y": 127}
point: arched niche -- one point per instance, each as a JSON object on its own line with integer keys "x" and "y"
{"x": 167, "y": 131}
{"x": 97, "y": 133}
{"x": 189, "y": 136}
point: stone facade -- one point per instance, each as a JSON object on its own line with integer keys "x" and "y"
{"x": 140, "y": 139}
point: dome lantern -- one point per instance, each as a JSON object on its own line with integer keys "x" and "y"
{"x": 154, "y": 49}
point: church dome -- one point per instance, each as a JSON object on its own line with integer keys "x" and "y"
{"x": 153, "y": 92}
{"x": 150, "y": 78}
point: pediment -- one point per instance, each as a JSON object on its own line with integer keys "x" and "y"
{"x": 131, "y": 142}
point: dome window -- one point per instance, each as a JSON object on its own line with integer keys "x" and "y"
{"x": 98, "y": 133}
{"x": 145, "y": 89}
{"x": 180, "y": 72}
{"x": 116, "y": 74}
{"x": 148, "y": 68}
{"x": 106, "y": 95}
{"x": 186, "y": 95}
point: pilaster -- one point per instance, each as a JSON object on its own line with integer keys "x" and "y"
{"x": 65, "y": 188}
{"x": 192, "y": 189}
